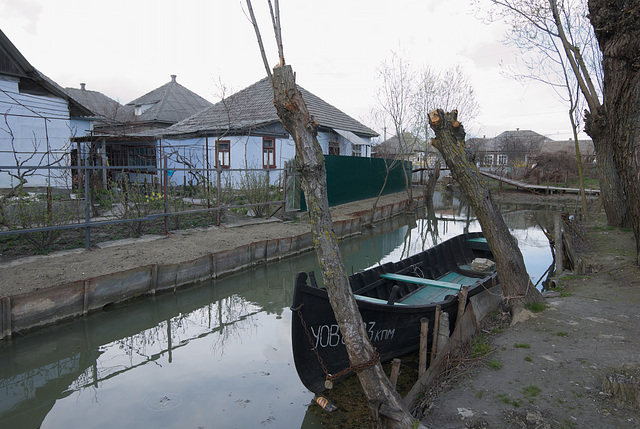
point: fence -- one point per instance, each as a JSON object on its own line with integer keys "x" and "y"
{"x": 82, "y": 205}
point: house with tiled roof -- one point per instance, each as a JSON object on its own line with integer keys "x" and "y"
{"x": 38, "y": 121}
{"x": 126, "y": 135}
{"x": 515, "y": 148}
{"x": 244, "y": 131}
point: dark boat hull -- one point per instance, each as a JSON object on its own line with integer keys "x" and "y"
{"x": 393, "y": 329}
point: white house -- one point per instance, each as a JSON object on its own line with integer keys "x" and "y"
{"x": 37, "y": 121}
{"x": 244, "y": 131}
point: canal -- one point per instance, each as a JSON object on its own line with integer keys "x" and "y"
{"x": 217, "y": 355}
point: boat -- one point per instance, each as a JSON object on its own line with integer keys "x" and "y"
{"x": 392, "y": 299}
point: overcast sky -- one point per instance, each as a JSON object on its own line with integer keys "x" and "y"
{"x": 125, "y": 49}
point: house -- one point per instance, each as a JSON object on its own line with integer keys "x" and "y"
{"x": 126, "y": 135}
{"x": 39, "y": 119}
{"x": 404, "y": 146}
{"x": 244, "y": 131}
{"x": 516, "y": 152}
{"x": 508, "y": 149}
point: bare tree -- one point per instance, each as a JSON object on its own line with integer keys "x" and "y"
{"x": 294, "y": 115}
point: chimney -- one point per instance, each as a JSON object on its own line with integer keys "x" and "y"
{"x": 82, "y": 86}
{"x": 173, "y": 78}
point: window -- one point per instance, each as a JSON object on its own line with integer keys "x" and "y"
{"x": 334, "y": 148}
{"x": 502, "y": 159}
{"x": 223, "y": 147}
{"x": 142, "y": 155}
{"x": 488, "y": 160}
{"x": 268, "y": 152}
{"x": 356, "y": 150}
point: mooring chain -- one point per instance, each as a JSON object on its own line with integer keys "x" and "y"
{"x": 329, "y": 377}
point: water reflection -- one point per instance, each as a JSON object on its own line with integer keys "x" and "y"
{"x": 215, "y": 355}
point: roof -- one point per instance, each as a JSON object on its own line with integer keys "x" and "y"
{"x": 105, "y": 108}
{"x": 169, "y": 103}
{"x": 13, "y": 63}
{"x": 553, "y": 146}
{"x": 526, "y": 138}
{"x": 392, "y": 145}
{"x": 253, "y": 108}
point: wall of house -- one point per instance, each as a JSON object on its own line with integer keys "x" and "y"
{"x": 245, "y": 152}
{"x": 37, "y": 130}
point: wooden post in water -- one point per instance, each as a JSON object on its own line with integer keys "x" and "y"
{"x": 434, "y": 343}
{"x": 558, "y": 244}
{"x": 462, "y": 302}
{"x": 395, "y": 372}
{"x": 424, "y": 330}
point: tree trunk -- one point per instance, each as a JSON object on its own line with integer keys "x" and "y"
{"x": 617, "y": 28}
{"x": 516, "y": 283}
{"x": 615, "y": 204}
{"x": 293, "y": 113}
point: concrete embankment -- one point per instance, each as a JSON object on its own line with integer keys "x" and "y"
{"x": 40, "y": 307}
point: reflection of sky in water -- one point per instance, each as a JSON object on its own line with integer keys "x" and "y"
{"x": 214, "y": 356}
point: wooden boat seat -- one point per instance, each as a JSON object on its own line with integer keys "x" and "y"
{"x": 421, "y": 281}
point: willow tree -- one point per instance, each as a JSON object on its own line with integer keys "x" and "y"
{"x": 384, "y": 401}
{"x": 617, "y": 28}
{"x": 558, "y": 33}
{"x": 516, "y": 284}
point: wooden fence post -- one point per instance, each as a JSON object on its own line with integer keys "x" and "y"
{"x": 424, "y": 330}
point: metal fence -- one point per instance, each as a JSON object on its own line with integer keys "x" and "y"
{"x": 155, "y": 198}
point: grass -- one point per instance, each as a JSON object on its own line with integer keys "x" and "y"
{"x": 536, "y": 307}
{"x": 562, "y": 334}
{"x": 480, "y": 346}
{"x": 494, "y": 364}
{"x": 531, "y": 391}
{"x": 522, "y": 346}
{"x": 528, "y": 359}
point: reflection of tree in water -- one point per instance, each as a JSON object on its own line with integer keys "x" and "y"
{"x": 228, "y": 318}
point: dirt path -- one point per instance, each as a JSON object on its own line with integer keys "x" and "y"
{"x": 547, "y": 372}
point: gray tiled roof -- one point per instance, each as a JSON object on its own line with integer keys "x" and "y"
{"x": 105, "y": 108}
{"x": 172, "y": 103}
{"x": 253, "y": 107}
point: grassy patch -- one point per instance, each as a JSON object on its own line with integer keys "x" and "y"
{"x": 536, "y": 307}
{"x": 562, "y": 334}
{"x": 480, "y": 346}
{"x": 531, "y": 391}
{"x": 528, "y": 359}
{"x": 522, "y": 346}
{"x": 494, "y": 364}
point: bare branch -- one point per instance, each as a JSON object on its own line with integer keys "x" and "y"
{"x": 259, "y": 37}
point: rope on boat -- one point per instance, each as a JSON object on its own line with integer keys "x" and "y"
{"x": 375, "y": 358}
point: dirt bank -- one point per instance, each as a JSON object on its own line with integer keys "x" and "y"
{"x": 547, "y": 372}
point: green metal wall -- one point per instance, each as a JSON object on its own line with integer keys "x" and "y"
{"x": 352, "y": 178}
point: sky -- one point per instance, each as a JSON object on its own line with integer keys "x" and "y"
{"x": 124, "y": 49}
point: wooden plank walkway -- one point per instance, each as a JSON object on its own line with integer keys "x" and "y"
{"x": 538, "y": 188}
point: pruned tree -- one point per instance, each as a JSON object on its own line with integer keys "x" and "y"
{"x": 516, "y": 284}
{"x": 384, "y": 401}
{"x": 617, "y": 27}
{"x": 559, "y": 34}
